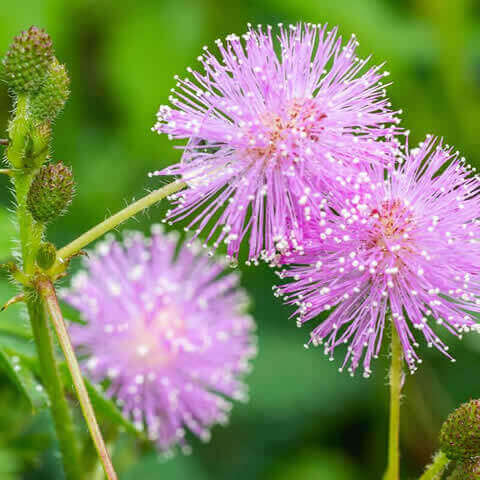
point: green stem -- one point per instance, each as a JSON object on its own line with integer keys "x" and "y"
{"x": 116, "y": 219}
{"x": 393, "y": 468}
{"x": 435, "y": 470}
{"x": 62, "y": 417}
{"x": 47, "y": 292}
{"x": 30, "y": 231}
{"x": 30, "y": 237}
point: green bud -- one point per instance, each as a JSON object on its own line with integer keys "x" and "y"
{"x": 460, "y": 434}
{"x": 27, "y": 61}
{"x": 468, "y": 470}
{"x": 51, "y": 192}
{"x": 51, "y": 98}
{"x": 46, "y": 255}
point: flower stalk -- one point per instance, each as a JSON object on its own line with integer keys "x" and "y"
{"x": 62, "y": 416}
{"x": 393, "y": 466}
{"x": 47, "y": 293}
{"x": 112, "y": 222}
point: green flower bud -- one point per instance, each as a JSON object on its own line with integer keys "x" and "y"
{"x": 27, "y": 61}
{"x": 51, "y": 192}
{"x": 46, "y": 255}
{"x": 460, "y": 434}
{"x": 468, "y": 470}
{"x": 51, "y": 98}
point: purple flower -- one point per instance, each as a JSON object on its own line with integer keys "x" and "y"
{"x": 409, "y": 246}
{"x": 268, "y": 131}
{"x": 167, "y": 332}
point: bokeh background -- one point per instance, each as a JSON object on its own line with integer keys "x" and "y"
{"x": 304, "y": 419}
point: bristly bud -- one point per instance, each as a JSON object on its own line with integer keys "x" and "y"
{"x": 460, "y": 434}
{"x": 51, "y": 192}
{"x": 51, "y": 98}
{"x": 468, "y": 470}
{"x": 46, "y": 255}
{"x": 27, "y": 60}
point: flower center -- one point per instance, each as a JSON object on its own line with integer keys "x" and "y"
{"x": 391, "y": 225}
{"x": 150, "y": 343}
{"x": 289, "y": 133}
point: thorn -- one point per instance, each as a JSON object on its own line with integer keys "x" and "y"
{"x": 11, "y": 267}
{"x": 61, "y": 275}
{"x": 13, "y": 300}
{"x": 15, "y": 272}
{"x": 6, "y": 171}
{"x": 4, "y": 141}
{"x": 66, "y": 261}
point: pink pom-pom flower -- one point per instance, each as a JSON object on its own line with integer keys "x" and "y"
{"x": 405, "y": 250}
{"x": 166, "y": 330}
{"x": 272, "y": 124}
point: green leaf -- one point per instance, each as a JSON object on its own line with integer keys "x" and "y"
{"x": 104, "y": 407}
{"x": 19, "y": 372}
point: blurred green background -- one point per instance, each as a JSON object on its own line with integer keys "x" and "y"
{"x": 304, "y": 419}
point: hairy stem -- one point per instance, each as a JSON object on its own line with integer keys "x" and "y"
{"x": 435, "y": 470}
{"x": 47, "y": 292}
{"x": 118, "y": 218}
{"x": 62, "y": 417}
{"x": 393, "y": 467}
{"x": 30, "y": 233}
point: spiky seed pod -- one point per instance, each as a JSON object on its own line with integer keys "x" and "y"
{"x": 51, "y": 192}
{"x": 46, "y": 255}
{"x": 27, "y": 61}
{"x": 460, "y": 434}
{"x": 468, "y": 470}
{"x": 51, "y": 98}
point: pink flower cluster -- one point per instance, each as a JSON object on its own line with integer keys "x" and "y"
{"x": 292, "y": 146}
{"x": 167, "y": 332}
{"x": 268, "y": 132}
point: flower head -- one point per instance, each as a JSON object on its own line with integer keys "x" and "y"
{"x": 409, "y": 246}
{"x": 167, "y": 331}
{"x": 268, "y": 131}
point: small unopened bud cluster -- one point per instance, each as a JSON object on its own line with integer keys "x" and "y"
{"x": 460, "y": 434}
{"x": 31, "y": 69}
{"x": 51, "y": 192}
{"x": 27, "y": 61}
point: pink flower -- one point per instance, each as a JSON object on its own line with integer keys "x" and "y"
{"x": 168, "y": 333}
{"x": 269, "y": 132}
{"x": 409, "y": 246}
